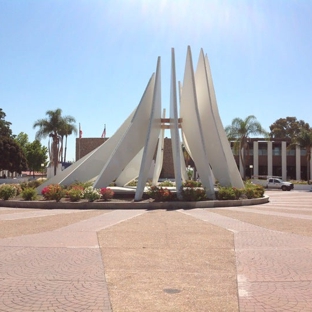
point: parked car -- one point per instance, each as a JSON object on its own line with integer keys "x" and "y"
{"x": 276, "y": 183}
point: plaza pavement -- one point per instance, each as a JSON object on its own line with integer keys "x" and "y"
{"x": 251, "y": 258}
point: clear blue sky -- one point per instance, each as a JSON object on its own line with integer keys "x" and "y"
{"x": 93, "y": 58}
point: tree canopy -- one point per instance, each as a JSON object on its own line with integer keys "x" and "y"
{"x": 36, "y": 155}
{"x": 12, "y": 156}
{"x": 287, "y": 128}
{"x": 304, "y": 140}
{"x": 4, "y": 125}
{"x": 53, "y": 127}
{"x": 239, "y": 131}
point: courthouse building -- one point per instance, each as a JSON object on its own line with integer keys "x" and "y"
{"x": 274, "y": 158}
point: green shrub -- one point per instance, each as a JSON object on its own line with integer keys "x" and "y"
{"x": 238, "y": 192}
{"x": 35, "y": 183}
{"x": 133, "y": 183}
{"x": 32, "y": 184}
{"x": 23, "y": 185}
{"x": 91, "y": 194}
{"x": 29, "y": 193}
{"x": 79, "y": 185}
{"x": 7, "y": 191}
{"x": 253, "y": 190}
{"x": 167, "y": 183}
{"x": 193, "y": 194}
{"x": 75, "y": 194}
{"x": 53, "y": 192}
{"x": 18, "y": 189}
{"x": 226, "y": 193}
{"x": 160, "y": 194}
{"x": 191, "y": 183}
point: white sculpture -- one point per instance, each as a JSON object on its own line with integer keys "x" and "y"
{"x": 129, "y": 153}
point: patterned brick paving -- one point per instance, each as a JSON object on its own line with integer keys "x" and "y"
{"x": 34, "y": 213}
{"x": 61, "y": 270}
{"x": 274, "y": 269}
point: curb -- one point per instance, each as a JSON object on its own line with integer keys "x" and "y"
{"x": 133, "y": 205}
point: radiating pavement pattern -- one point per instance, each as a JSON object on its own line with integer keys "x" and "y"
{"x": 62, "y": 269}
{"x": 274, "y": 269}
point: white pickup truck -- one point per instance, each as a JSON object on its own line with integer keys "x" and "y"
{"x": 276, "y": 183}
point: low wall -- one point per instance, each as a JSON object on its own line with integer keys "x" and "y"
{"x": 13, "y": 181}
{"x": 132, "y": 205}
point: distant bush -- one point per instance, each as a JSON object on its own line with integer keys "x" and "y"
{"x": 7, "y": 191}
{"x": 79, "y": 185}
{"x": 302, "y": 182}
{"x": 106, "y": 193}
{"x": 32, "y": 184}
{"x": 75, "y": 194}
{"x": 18, "y": 189}
{"x": 254, "y": 190}
{"x": 91, "y": 194}
{"x": 231, "y": 193}
{"x": 133, "y": 183}
{"x": 167, "y": 183}
{"x": 160, "y": 194}
{"x": 53, "y": 192}
{"x": 193, "y": 194}
{"x": 191, "y": 183}
{"x": 29, "y": 193}
{"x": 226, "y": 193}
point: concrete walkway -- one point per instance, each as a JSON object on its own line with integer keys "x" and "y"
{"x": 253, "y": 258}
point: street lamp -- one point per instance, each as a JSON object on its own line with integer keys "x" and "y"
{"x": 251, "y": 167}
{"x": 42, "y": 166}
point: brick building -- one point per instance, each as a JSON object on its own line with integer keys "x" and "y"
{"x": 273, "y": 158}
{"x": 86, "y": 145}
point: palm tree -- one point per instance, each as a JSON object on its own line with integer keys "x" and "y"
{"x": 304, "y": 140}
{"x": 67, "y": 129}
{"x": 51, "y": 127}
{"x": 240, "y": 130}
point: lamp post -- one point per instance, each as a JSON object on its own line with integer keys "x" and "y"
{"x": 251, "y": 167}
{"x": 42, "y": 166}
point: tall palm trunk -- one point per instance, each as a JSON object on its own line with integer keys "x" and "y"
{"x": 65, "y": 149}
{"x": 55, "y": 153}
{"x": 308, "y": 165}
{"x": 242, "y": 154}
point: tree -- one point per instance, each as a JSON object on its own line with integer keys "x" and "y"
{"x": 51, "y": 127}
{"x": 240, "y": 130}
{"x": 12, "y": 156}
{"x": 304, "y": 140}
{"x": 22, "y": 140}
{"x": 287, "y": 128}
{"x": 36, "y": 155}
{"x": 67, "y": 129}
{"x": 4, "y": 125}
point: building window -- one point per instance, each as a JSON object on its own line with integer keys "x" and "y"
{"x": 277, "y": 151}
{"x": 291, "y": 152}
{"x": 303, "y": 152}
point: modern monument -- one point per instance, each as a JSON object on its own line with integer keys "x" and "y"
{"x": 129, "y": 153}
